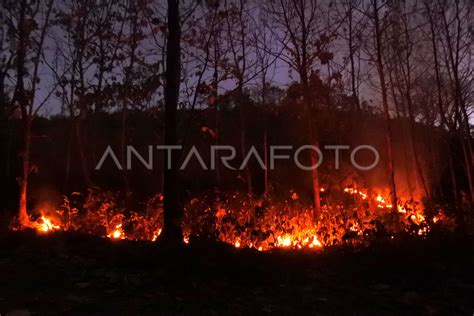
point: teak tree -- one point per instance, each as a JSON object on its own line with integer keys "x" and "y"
{"x": 378, "y": 53}
{"x": 305, "y": 43}
{"x": 30, "y": 24}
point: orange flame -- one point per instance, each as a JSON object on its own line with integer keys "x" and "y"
{"x": 45, "y": 225}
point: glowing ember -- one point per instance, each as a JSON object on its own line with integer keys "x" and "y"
{"x": 417, "y": 218}
{"x": 117, "y": 233}
{"x": 382, "y": 203}
{"x": 423, "y": 231}
{"x": 353, "y": 191}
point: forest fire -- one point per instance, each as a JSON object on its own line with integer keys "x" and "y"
{"x": 246, "y": 222}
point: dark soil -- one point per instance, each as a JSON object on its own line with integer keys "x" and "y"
{"x": 65, "y": 273}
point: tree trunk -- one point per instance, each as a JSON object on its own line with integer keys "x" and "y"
{"x": 123, "y": 147}
{"x": 413, "y": 144}
{"x": 265, "y": 128}
{"x": 313, "y": 140}
{"x": 314, "y": 175}
{"x": 172, "y": 231}
{"x": 23, "y": 212}
{"x": 355, "y": 95}
{"x": 216, "y": 101}
{"x": 68, "y": 159}
{"x": 82, "y": 155}
{"x": 399, "y": 116}
{"x": 127, "y": 81}
{"x": 453, "y": 179}
{"x": 243, "y": 143}
{"x": 389, "y": 137}
{"x": 20, "y": 97}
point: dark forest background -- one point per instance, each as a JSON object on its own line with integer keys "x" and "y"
{"x": 59, "y": 167}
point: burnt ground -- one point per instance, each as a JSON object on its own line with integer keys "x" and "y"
{"x": 64, "y": 273}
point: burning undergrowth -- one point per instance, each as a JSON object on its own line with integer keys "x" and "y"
{"x": 244, "y": 220}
